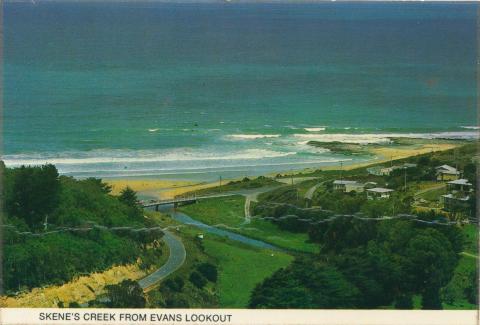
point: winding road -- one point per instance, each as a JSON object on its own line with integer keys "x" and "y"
{"x": 175, "y": 261}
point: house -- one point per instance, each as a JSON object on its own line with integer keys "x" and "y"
{"x": 459, "y": 192}
{"x": 459, "y": 185}
{"x": 452, "y": 202}
{"x": 380, "y": 170}
{"x": 386, "y": 171}
{"x": 375, "y": 170}
{"x": 446, "y": 172}
{"x": 378, "y": 193}
{"x": 347, "y": 186}
{"x": 368, "y": 185}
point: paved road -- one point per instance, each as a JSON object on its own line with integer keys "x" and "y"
{"x": 248, "y": 200}
{"x": 469, "y": 255}
{"x": 175, "y": 260}
{"x": 311, "y": 190}
{"x": 251, "y": 196}
{"x": 296, "y": 180}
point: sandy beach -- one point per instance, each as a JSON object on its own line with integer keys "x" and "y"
{"x": 157, "y": 188}
{"x": 164, "y": 189}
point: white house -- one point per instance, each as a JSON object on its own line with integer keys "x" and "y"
{"x": 446, "y": 172}
{"x": 459, "y": 185}
{"x": 378, "y": 193}
{"x": 347, "y": 186}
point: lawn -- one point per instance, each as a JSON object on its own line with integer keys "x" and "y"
{"x": 271, "y": 233}
{"x": 470, "y": 233}
{"x": 434, "y": 194}
{"x": 224, "y": 210}
{"x": 230, "y": 211}
{"x": 241, "y": 268}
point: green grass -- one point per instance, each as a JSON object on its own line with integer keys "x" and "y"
{"x": 237, "y": 185}
{"x": 470, "y": 233}
{"x": 230, "y": 211}
{"x": 226, "y": 210}
{"x": 433, "y": 195}
{"x": 241, "y": 268}
{"x": 271, "y": 233}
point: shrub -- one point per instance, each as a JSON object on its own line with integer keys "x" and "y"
{"x": 209, "y": 271}
{"x": 197, "y": 279}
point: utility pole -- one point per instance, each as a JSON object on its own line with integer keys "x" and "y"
{"x": 341, "y": 170}
{"x": 405, "y": 186}
{"x": 45, "y": 224}
{"x": 220, "y": 180}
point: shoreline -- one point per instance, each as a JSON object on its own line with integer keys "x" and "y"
{"x": 156, "y": 188}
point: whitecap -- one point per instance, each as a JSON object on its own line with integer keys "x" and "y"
{"x": 252, "y": 136}
{"x": 315, "y": 129}
{"x": 139, "y": 156}
{"x": 385, "y": 137}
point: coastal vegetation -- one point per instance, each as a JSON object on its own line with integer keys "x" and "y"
{"x": 57, "y": 228}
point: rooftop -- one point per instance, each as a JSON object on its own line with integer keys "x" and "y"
{"x": 448, "y": 169}
{"x": 451, "y": 196}
{"x": 342, "y": 182}
{"x": 460, "y": 182}
{"x": 380, "y": 190}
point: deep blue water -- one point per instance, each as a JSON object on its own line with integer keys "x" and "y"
{"x": 112, "y": 89}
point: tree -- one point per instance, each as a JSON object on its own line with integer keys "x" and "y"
{"x": 470, "y": 172}
{"x": 344, "y": 232}
{"x": 34, "y": 195}
{"x": 471, "y": 291}
{"x": 127, "y": 294}
{"x": 128, "y": 197}
{"x": 431, "y": 299}
{"x": 209, "y": 271}
{"x": 197, "y": 279}
{"x": 404, "y": 302}
{"x": 431, "y": 261}
{"x": 305, "y": 284}
{"x": 104, "y": 187}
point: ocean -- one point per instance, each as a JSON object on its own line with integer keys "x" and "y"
{"x": 171, "y": 90}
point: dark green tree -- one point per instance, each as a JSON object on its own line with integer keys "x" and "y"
{"x": 127, "y": 294}
{"x": 197, "y": 279}
{"x": 34, "y": 194}
{"x": 209, "y": 271}
{"x": 128, "y": 197}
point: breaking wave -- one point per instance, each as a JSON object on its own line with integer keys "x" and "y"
{"x": 384, "y": 138}
{"x": 252, "y": 136}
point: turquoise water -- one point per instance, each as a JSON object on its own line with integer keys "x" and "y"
{"x": 202, "y": 90}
